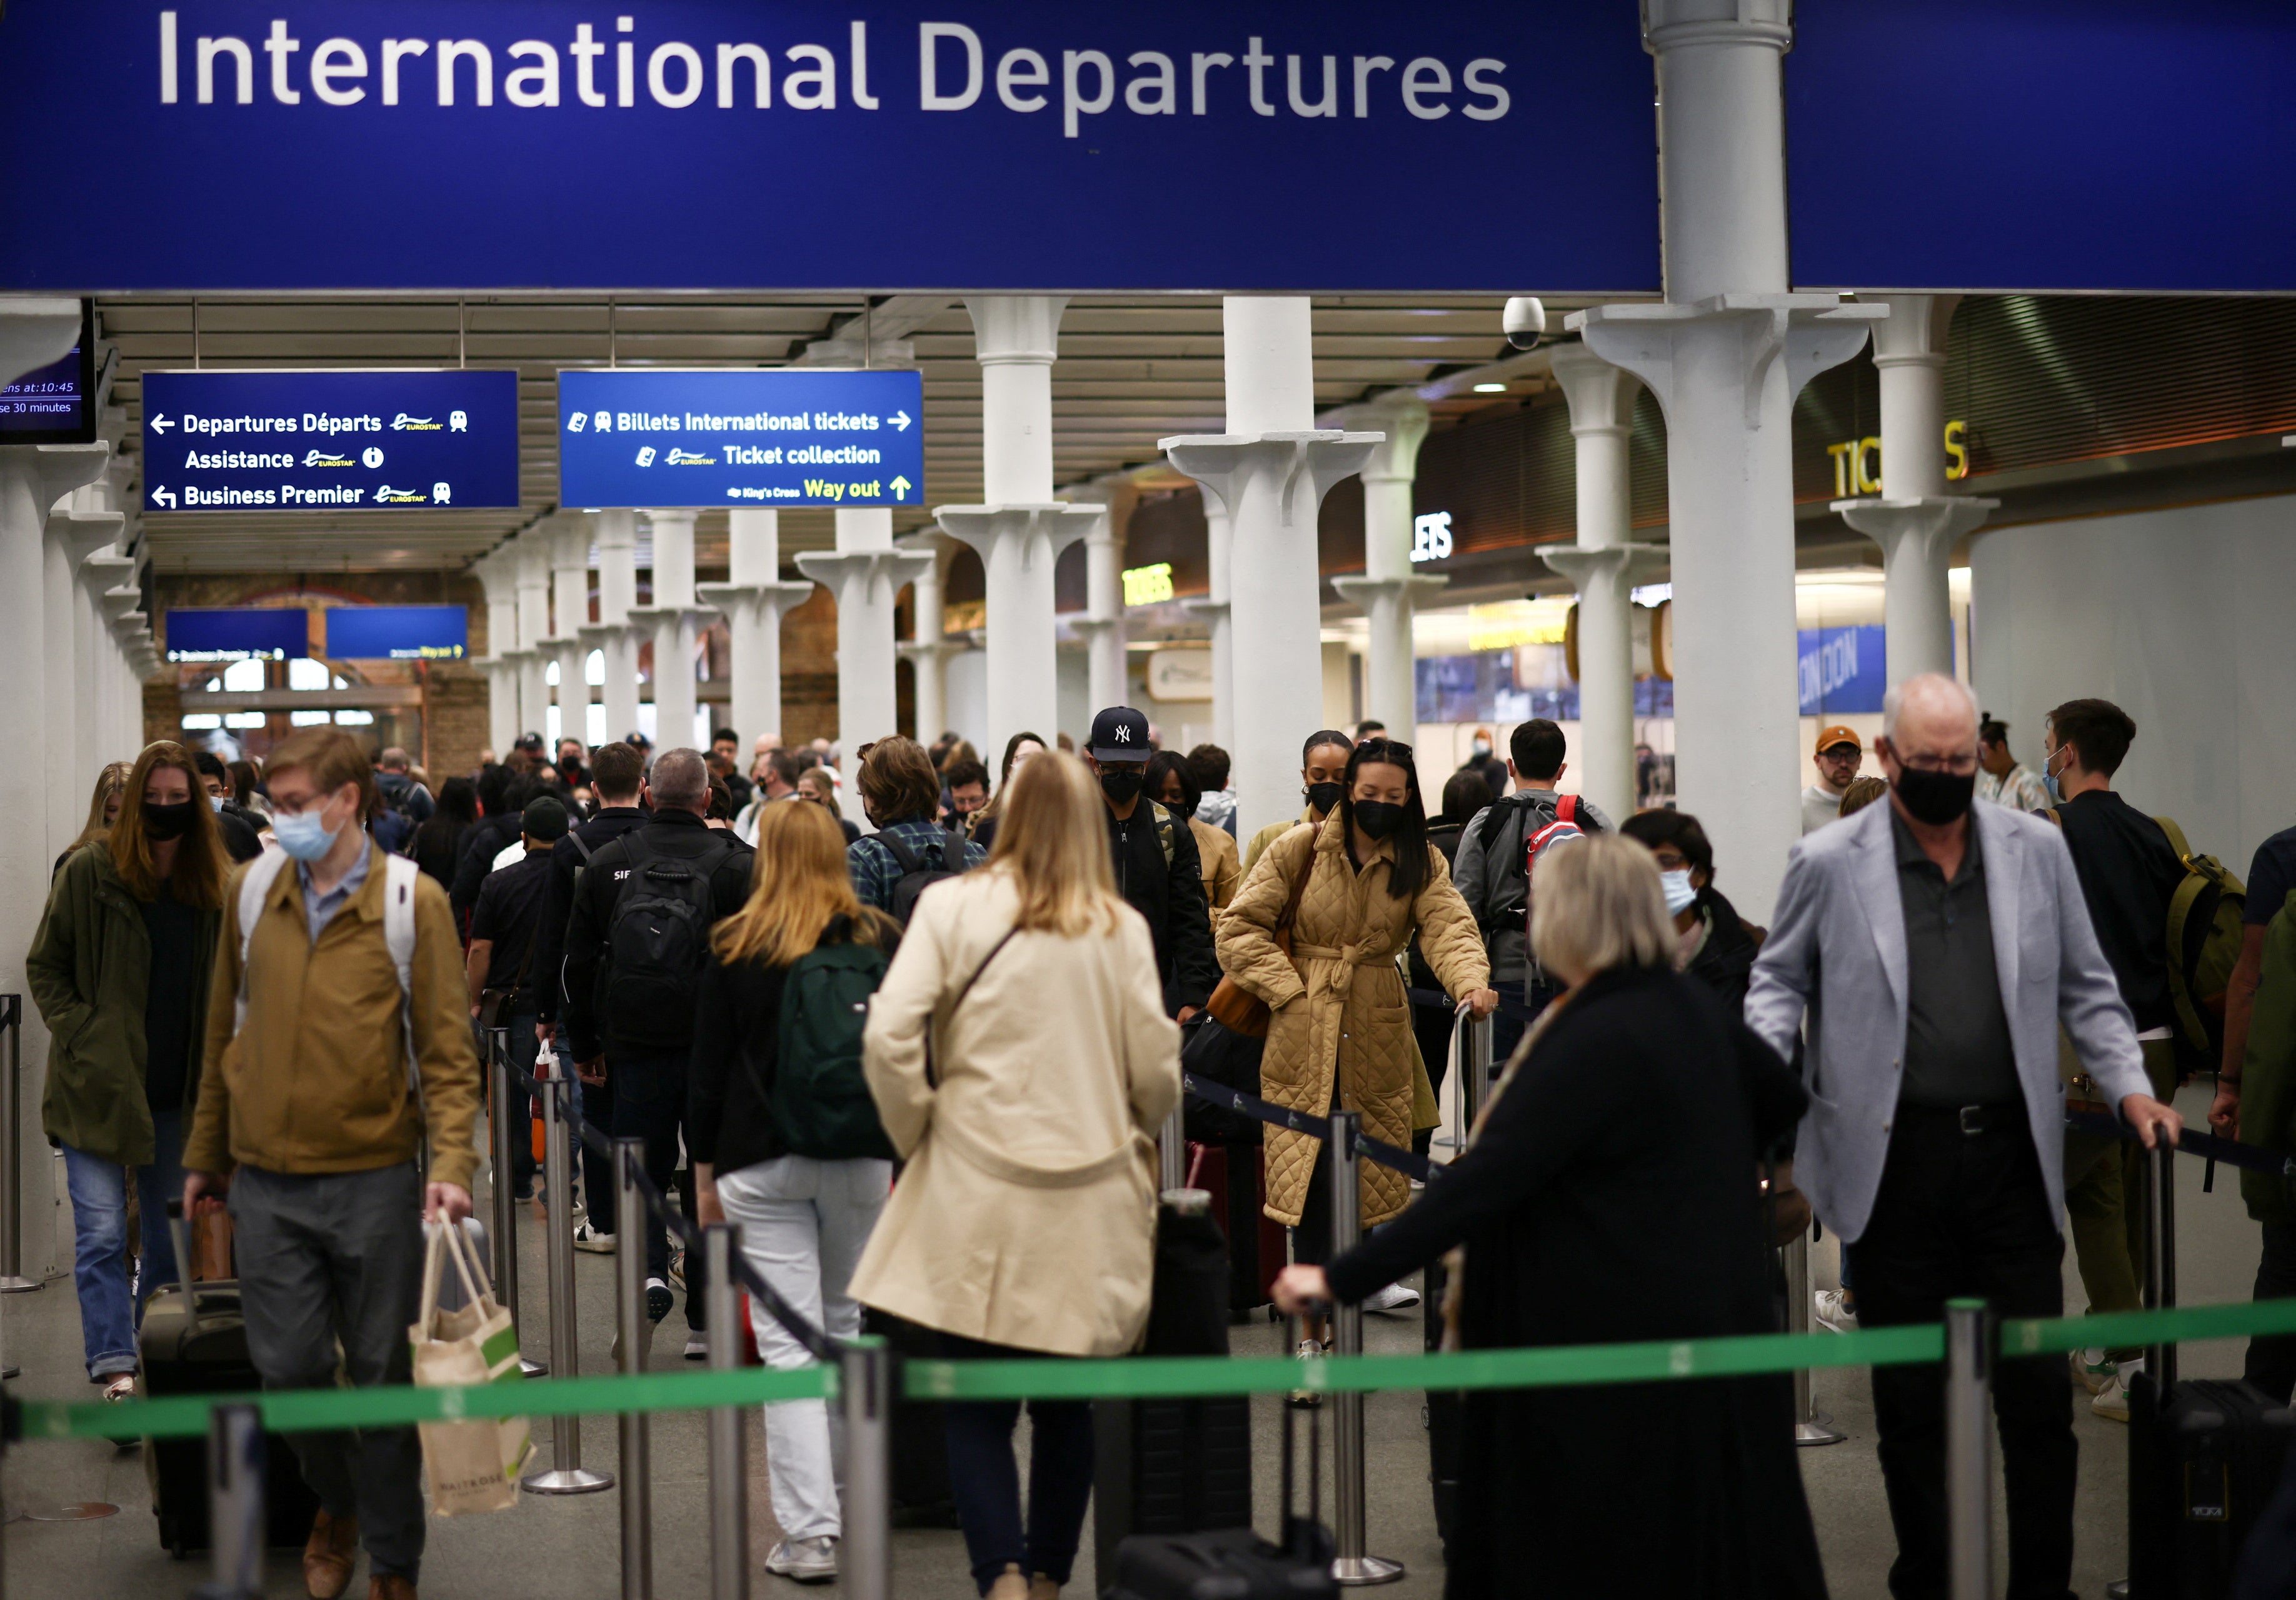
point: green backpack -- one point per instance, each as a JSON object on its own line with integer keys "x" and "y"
{"x": 820, "y": 1100}
{"x": 2205, "y": 917}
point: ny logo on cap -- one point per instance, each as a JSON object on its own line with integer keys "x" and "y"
{"x": 1123, "y": 733}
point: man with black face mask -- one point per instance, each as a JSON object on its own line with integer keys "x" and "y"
{"x": 1158, "y": 869}
{"x": 1936, "y": 951}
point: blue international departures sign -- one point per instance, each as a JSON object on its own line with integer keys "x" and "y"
{"x": 397, "y": 633}
{"x": 237, "y": 634}
{"x": 380, "y": 440}
{"x": 811, "y": 144}
{"x": 1841, "y": 670}
{"x": 769, "y": 438}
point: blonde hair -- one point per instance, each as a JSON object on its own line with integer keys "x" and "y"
{"x": 1053, "y": 843}
{"x": 798, "y": 886}
{"x": 112, "y": 781}
{"x": 196, "y": 876}
{"x": 1595, "y": 904}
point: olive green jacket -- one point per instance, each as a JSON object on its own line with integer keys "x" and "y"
{"x": 90, "y": 970}
{"x": 2267, "y": 1071}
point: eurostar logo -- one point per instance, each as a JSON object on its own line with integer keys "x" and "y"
{"x": 387, "y": 496}
{"x": 326, "y": 458}
{"x": 688, "y": 458}
{"x": 404, "y": 423}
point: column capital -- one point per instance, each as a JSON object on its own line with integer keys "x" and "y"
{"x": 1313, "y": 461}
{"x": 118, "y": 602}
{"x": 83, "y": 533}
{"x": 1055, "y": 525}
{"x": 1401, "y": 417}
{"x": 836, "y": 569}
{"x": 101, "y": 572}
{"x": 1913, "y": 333}
{"x": 34, "y": 329}
{"x": 595, "y": 636}
{"x": 1671, "y": 24}
{"x": 1359, "y": 589}
{"x": 1600, "y": 393}
{"x": 1623, "y": 564}
{"x": 777, "y": 597}
{"x": 571, "y": 541}
{"x": 56, "y": 470}
{"x": 940, "y": 649}
{"x": 1016, "y": 329}
{"x": 1809, "y": 332}
{"x": 1936, "y": 521}
{"x": 1208, "y": 609}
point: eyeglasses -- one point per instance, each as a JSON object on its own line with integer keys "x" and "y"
{"x": 1960, "y": 765}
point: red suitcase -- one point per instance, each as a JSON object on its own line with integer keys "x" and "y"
{"x": 1257, "y": 1250}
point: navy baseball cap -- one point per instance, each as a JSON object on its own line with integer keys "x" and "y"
{"x": 1120, "y": 733}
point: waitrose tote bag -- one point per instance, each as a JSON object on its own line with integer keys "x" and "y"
{"x": 473, "y": 1465}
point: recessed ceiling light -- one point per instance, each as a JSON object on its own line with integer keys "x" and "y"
{"x": 1490, "y": 389}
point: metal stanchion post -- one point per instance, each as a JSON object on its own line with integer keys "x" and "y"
{"x": 864, "y": 1555}
{"x": 1969, "y": 1334}
{"x": 729, "y": 1465}
{"x": 12, "y": 1280}
{"x": 1351, "y": 1567}
{"x": 1172, "y": 1149}
{"x": 1474, "y": 1074}
{"x": 236, "y": 1519}
{"x": 499, "y": 1090}
{"x": 2159, "y": 1255}
{"x": 566, "y": 1474}
{"x": 631, "y": 1333}
{"x": 1811, "y": 1425}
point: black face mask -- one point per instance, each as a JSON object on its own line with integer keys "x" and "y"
{"x": 1119, "y": 784}
{"x": 164, "y": 823}
{"x": 1324, "y": 796}
{"x": 1378, "y": 818}
{"x": 1179, "y": 809}
{"x": 1935, "y": 798}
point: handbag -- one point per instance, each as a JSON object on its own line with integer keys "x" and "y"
{"x": 473, "y": 1465}
{"x": 1211, "y": 1052}
{"x": 1236, "y": 1007}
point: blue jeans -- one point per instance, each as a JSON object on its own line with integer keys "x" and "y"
{"x": 110, "y": 1312}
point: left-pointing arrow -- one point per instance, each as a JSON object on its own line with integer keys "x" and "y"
{"x": 160, "y": 424}
{"x": 164, "y": 496}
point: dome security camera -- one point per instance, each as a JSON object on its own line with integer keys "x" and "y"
{"x": 1524, "y": 322}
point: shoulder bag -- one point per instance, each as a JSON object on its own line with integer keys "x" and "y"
{"x": 1236, "y": 1007}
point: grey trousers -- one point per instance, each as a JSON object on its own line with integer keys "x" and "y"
{"x": 336, "y": 1257}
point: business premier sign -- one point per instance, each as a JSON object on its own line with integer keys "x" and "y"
{"x": 640, "y": 436}
{"x": 386, "y": 440}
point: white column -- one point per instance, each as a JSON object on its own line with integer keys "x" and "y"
{"x": 1606, "y": 565}
{"x": 570, "y": 614}
{"x": 68, "y": 538}
{"x": 115, "y": 737}
{"x": 676, "y": 621}
{"x": 1020, "y": 530}
{"x": 1725, "y": 356}
{"x": 1214, "y": 610}
{"x": 131, "y": 660}
{"x": 1102, "y": 623}
{"x": 1915, "y": 520}
{"x": 611, "y": 634}
{"x": 865, "y": 574}
{"x": 1389, "y": 591}
{"x": 753, "y": 604}
{"x": 497, "y": 574}
{"x": 1272, "y": 469}
{"x": 531, "y": 556}
{"x": 926, "y": 649}
{"x": 83, "y": 532}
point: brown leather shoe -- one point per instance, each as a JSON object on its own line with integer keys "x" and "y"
{"x": 328, "y": 1556}
{"x": 390, "y": 1585}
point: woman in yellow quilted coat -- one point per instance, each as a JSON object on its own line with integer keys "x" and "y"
{"x": 1340, "y": 1032}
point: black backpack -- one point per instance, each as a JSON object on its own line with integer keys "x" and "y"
{"x": 916, "y": 877}
{"x": 657, "y": 941}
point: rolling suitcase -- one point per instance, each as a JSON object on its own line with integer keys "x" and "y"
{"x": 198, "y": 1345}
{"x": 1444, "y": 1409}
{"x": 1256, "y": 1246}
{"x": 1235, "y": 1563}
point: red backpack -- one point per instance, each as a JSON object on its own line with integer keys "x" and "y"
{"x": 1565, "y": 825}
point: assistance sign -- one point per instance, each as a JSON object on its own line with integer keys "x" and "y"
{"x": 368, "y": 439}
{"x": 679, "y": 437}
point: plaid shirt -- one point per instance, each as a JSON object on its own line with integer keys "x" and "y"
{"x": 876, "y": 869}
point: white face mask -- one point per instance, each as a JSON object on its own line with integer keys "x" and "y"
{"x": 1679, "y": 890}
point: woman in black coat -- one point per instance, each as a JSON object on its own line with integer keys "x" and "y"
{"x": 1610, "y": 1195}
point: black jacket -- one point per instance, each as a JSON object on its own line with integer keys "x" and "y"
{"x": 485, "y": 839}
{"x": 1171, "y": 897}
{"x": 558, "y": 898}
{"x": 2128, "y": 874}
{"x": 1724, "y": 963}
{"x": 1610, "y": 1198}
{"x": 677, "y": 834}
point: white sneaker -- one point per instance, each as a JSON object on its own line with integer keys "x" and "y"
{"x": 1833, "y": 1312}
{"x": 804, "y": 1560}
{"x": 2092, "y": 1369}
{"x": 587, "y": 1238}
{"x": 697, "y": 1349}
{"x": 1395, "y": 1297}
{"x": 2111, "y": 1401}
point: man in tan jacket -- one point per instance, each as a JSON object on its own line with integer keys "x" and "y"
{"x": 310, "y": 1120}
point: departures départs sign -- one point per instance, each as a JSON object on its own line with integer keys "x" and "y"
{"x": 746, "y": 437}
{"x": 379, "y": 439}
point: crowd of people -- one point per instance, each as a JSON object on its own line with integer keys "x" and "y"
{"x": 269, "y": 987}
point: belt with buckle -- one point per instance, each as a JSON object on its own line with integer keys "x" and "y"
{"x": 1983, "y": 1118}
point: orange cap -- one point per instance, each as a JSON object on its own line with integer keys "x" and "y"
{"x": 1839, "y": 734}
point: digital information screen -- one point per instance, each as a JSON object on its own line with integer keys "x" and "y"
{"x": 397, "y": 633}
{"x": 395, "y": 440}
{"x": 671, "y": 437}
{"x": 56, "y": 403}
{"x": 239, "y": 634}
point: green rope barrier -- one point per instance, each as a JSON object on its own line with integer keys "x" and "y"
{"x": 1160, "y": 1377}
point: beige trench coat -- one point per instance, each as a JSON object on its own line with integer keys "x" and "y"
{"x": 1341, "y": 1012}
{"x": 1026, "y": 1215}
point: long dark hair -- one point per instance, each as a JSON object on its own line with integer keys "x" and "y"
{"x": 1408, "y": 875}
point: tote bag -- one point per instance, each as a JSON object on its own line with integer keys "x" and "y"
{"x": 473, "y": 1465}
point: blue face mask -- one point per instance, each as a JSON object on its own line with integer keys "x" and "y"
{"x": 215, "y": 801}
{"x": 1679, "y": 890}
{"x": 303, "y": 834}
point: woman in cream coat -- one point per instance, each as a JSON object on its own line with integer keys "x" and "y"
{"x": 1020, "y": 1057}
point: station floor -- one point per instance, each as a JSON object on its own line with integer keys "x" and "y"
{"x": 569, "y": 1548}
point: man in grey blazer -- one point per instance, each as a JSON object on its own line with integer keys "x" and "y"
{"x": 1937, "y": 949}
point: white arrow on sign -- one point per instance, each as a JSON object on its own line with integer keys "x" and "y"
{"x": 900, "y": 419}
{"x": 165, "y": 497}
{"x": 160, "y": 424}
{"x": 900, "y": 489}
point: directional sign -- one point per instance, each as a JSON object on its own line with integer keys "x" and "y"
{"x": 237, "y": 634}
{"x": 397, "y": 633}
{"x": 671, "y": 437}
{"x": 387, "y": 439}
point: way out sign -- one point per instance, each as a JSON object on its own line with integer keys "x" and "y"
{"x": 760, "y": 438}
